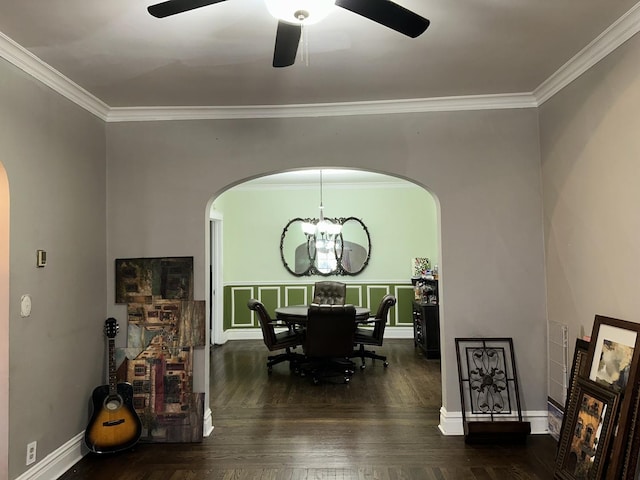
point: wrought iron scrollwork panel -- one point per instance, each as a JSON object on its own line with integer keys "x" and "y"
{"x": 487, "y": 376}
{"x": 488, "y": 380}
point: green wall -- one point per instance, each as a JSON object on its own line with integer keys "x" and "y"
{"x": 402, "y": 222}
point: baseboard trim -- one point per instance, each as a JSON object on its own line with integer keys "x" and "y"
{"x": 59, "y": 461}
{"x": 208, "y": 423}
{"x": 62, "y": 459}
{"x": 451, "y": 422}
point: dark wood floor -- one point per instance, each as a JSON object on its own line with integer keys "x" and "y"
{"x": 383, "y": 425}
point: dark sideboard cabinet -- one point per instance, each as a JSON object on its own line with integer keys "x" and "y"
{"x": 426, "y": 328}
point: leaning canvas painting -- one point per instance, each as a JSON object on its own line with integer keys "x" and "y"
{"x": 614, "y": 365}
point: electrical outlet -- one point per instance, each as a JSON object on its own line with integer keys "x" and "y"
{"x": 31, "y": 452}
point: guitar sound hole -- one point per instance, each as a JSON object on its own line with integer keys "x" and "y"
{"x": 113, "y": 403}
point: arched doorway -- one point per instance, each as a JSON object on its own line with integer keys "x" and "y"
{"x": 250, "y": 213}
{"x": 251, "y": 209}
{"x": 4, "y": 323}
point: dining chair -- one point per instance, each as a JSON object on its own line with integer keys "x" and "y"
{"x": 329, "y": 342}
{"x": 365, "y": 335}
{"x": 329, "y": 293}
{"x": 277, "y": 340}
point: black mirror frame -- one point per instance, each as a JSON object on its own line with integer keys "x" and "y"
{"x": 312, "y": 270}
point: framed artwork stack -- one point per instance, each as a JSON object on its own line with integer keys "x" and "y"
{"x": 164, "y": 327}
{"x": 599, "y": 438}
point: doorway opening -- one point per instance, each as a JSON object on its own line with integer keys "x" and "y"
{"x": 256, "y": 211}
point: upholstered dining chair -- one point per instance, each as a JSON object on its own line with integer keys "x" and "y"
{"x": 283, "y": 340}
{"x": 329, "y": 342}
{"x": 365, "y": 335}
{"x": 329, "y": 293}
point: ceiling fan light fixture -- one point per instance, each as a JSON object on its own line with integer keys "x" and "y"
{"x": 299, "y": 12}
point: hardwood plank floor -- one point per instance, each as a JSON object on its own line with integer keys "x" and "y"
{"x": 382, "y": 426}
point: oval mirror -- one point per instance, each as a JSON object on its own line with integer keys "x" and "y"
{"x": 346, "y": 253}
{"x": 295, "y": 251}
{"x": 356, "y": 248}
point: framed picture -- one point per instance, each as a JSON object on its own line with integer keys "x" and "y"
{"x": 611, "y": 361}
{"x": 579, "y": 368}
{"x": 631, "y": 465}
{"x": 614, "y": 354}
{"x": 580, "y": 363}
{"x": 584, "y": 444}
{"x": 555, "y": 413}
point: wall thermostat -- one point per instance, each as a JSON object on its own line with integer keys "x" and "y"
{"x": 42, "y": 258}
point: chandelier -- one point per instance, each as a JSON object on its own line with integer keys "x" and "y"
{"x": 323, "y": 230}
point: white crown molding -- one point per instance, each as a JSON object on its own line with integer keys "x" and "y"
{"x": 618, "y": 33}
{"x": 614, "y": 36}
{"x": 475, "y": 102}
{"x": 32, "y": 65}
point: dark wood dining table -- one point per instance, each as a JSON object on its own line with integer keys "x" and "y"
{"x": 297, "y": 314}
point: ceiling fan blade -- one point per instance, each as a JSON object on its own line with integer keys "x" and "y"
{"x": 388, "y": 14}
{"x": 287, "y": 40}
{"x": 171, "y": 7}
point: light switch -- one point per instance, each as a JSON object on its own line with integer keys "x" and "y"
{"x": 41, "y": 258}
{"x": 25, "y": 305}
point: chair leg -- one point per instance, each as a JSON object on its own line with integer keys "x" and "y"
{"x": 293, "y": 358}
{"x": 319, "y": 369}
{"x": 364, "y": 353}
{"x": 362, "y": 357}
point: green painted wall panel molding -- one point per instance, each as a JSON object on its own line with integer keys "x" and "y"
{"x": 237, "y": 315}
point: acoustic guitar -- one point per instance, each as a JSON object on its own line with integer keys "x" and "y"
{"x": 114, "y": 424}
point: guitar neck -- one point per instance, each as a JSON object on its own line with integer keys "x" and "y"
{"x": 113, "y": 391}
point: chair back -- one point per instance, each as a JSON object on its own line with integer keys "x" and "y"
{"x": 329, "y": 293}
{"x": 268, "y": 331}
{"x": 382, "y": 314}
{"x": 330, "y": 330}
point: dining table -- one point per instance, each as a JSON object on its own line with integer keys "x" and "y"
{"x": 297, "y": 314}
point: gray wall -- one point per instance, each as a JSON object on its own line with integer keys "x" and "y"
{"x": 483, "y": 167}
{"x": 590, "y": 150}
{"x": 53, "y": 152}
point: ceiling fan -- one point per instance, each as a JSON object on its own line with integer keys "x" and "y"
{"x": 384, "y": 12}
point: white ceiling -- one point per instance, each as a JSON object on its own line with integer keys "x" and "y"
{"x": 220, "y": 55}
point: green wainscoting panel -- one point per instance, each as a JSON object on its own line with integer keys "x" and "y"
{"x": 237, "y": 315}
{"x": 374, "y": 294}
{"x": 354, "y": 296}
{"x": 270, "y": 296}
{"x": 404, "y": 306}
{"x": 297, "y": 294}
